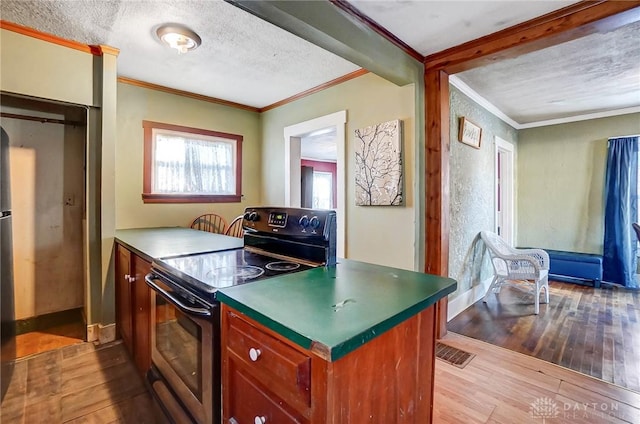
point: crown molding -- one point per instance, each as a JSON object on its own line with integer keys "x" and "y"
{"x": 583, "y": 117}
{"x": 157, "y": 87}
{"x": 328, "y": 84}
{"x": 486, "y": 104}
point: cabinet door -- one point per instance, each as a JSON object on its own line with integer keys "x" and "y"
{"x": 141, "y": 315}
{"x": 124, "y": 322}
{"x": 252, "y": 403}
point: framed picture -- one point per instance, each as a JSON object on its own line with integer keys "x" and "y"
{"x": 379, "y": 165}
{"x": 469, "y": 133}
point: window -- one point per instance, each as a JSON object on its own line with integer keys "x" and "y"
{"x": 322, "y": 190}
{"x": 190, "y": 165}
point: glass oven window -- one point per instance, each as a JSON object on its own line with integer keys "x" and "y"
{"x": 179, "y": 341}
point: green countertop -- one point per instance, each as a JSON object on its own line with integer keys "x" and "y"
{"x": 152, "y": 243}
{"x": 337, "y": 309}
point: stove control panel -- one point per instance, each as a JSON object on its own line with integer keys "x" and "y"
{"x": 277, "y": 219}
{"x": 288, "y": 221}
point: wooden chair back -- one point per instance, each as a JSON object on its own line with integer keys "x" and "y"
{"x": 235, "y": 228}
{"x": 210, "y": 222}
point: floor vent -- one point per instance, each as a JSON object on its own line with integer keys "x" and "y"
{"x": 452, "y": 355}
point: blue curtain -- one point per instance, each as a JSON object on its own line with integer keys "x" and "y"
{"x": 621, "y": 210}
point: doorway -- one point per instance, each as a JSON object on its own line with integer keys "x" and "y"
{"x": 504, "y": 190}
{"x": 46, "y": 192}
{"x": 308, "y": 131}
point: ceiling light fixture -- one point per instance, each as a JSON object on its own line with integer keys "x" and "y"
{"x": 178, "y": 37}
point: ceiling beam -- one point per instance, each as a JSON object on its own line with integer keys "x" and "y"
{"x": 338, "y": 30}
{"x": 557, "y": 27}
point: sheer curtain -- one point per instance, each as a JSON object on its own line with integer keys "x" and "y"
{"x": 621, "y": 210}
{"x": 185, "y": 165}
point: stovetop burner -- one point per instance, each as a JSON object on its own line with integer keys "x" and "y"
{"x": 246, "y": 272}
{"x": 208, "y": 272}
{"x": 282, "y": 266}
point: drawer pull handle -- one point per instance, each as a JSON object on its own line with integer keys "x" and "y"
{"x": 259, "y": 420}
{"x": 254, "y": 354}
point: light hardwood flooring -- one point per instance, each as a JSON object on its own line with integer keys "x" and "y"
{"x": 501, "y": 386}
{"x": 85, "y": 384}
{"x": 44, "y": 340}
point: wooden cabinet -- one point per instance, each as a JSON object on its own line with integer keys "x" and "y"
{"x": 268, "y": 379}
{"x": 124, "y": 296}
{"x": 133, "y": 304}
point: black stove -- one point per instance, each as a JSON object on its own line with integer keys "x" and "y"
{"x": 185, "y": 316}
{"x": 277, "y": 241}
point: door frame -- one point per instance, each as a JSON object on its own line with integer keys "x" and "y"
{"x": 508, "y": 186}
{"x": 292, "y": 136}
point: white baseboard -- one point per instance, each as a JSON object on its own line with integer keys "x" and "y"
{"x": 466, "y": 299}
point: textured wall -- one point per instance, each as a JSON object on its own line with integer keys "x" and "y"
{"x": 471, "y": 183}
{"x": 378, "y": 234}
{"x": 136, "y": 104}
{"x": 561, "y": 173}
{"x": 47, "y": 199}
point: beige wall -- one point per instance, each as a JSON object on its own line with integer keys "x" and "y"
{"x": 47, "y": 199}
{"x": 136, "y": 104}
{"x": 383, "y": 235}
{"x": 37, "y": 68}
{"x": 561, "y": 173}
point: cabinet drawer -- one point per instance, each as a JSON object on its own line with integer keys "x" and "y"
{"x": 283, "y": 369}
{"x": 252, "y": 404}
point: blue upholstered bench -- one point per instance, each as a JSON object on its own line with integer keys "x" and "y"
{"x": 583, "y": 266}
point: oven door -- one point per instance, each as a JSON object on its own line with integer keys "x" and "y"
{"x": 184, "y": 348}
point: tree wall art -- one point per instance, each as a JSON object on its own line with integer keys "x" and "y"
{"x": 379, "y": 164}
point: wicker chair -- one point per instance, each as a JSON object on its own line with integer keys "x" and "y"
{"x": 523, "y": 265}
{"x": 235, "y": 228}
{"x": 210, "y": 222}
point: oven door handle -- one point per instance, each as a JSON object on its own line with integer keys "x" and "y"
{"x": 203, "y": 312}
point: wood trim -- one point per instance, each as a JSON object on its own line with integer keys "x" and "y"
{"x": 437, "y": 184}
{"x": 157, "y": 87}
{"x": 101, "y": 50}
{"x": 563, "y": 25}
{"x": 148, "y": 197}
{"x": 328, "y": 84}
{"x": 349, "y": 9}
{"x": 50, "y": 38}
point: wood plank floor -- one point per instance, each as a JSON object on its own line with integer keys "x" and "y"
{"x": 85, "y": 384}
{"x": 77, "y": 384}
{"x": 592, "y": 331}
{"x": 502, "y": 386}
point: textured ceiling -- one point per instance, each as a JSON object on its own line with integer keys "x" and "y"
{"x": 599, "y": 73}
{"x": 242, "y": 58}
{"x": 246, "y": 60}
{"x": 432, "y": 26}
{"x": 592, "y": 74}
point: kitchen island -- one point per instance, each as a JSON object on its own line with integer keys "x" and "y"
{"x": 351, "y": 343}
{"x": 163, "y": 242}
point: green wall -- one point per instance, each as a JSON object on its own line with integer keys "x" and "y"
{"x": 471, "y": 185}
{"x": 384, "y": 235}
{"x": 136, "y": 104}
{"x": 561, "y": 173}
